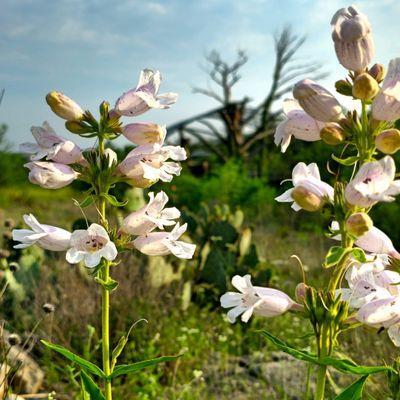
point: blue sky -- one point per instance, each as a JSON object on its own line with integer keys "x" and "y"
{"x": 93, "y": 50}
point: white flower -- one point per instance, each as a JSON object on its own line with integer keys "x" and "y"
{"x": 251, "y": 300}
{"x": 144, "y": 97}
{"x": 45, "y": 236}
{"x": 307, "y": 177}
{"x": 144, "y": 133}
{"x": 381, "y": 312}
{"x": 151, "y": 216}
{"x": 373, "y": 241}
{"x": 351, "y": 33}
{"x": 51, "y": 146}
{"x": 148, "y": 163}
{"x": 298, "y": 124}
{"x": 317, "y": 101}
{"x": 163, "y": 243}
{"x": 386, "y": 105}
{"x": 50, "y": 175}
{"x": 90, "y": 246}
{"x": 373, "y": 182}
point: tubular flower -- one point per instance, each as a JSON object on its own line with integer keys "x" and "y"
{"x": 308, "y": 189}
{"x": 316, "y": 101}
{"x": 148, "y": 163}
{"x": 379, "y": 313}
{"x": 164, "y": 243}
{"x": 144, "y": 133}
{"x": 386, "y": 105}
{"x": 50, "y": 175}
{"x": 151, "y": 216}
{"x": 50, "y": 146}
{"x": 266, "y": 302}
{"x": 144, "y": 97}
{"x": 90, "y": 246}
{"x": 373, "y": 182}
{"x": 298, "y": 124}
{"x": 64, "y": 107}
{"x": 45, "y": 236}
{"x": 351, "y": 34}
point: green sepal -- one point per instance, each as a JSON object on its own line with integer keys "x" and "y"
{"x": 114, "y": 201}
{"x": 334, "y": 256}
{"x": 87, "y": 202}
{"x": 90, "y": 388}
{"x": 125, "y": 369}
{"x": 110, "y": 285}
{"x": 343, "y": 365}
{"x": 359, "y": 255}
{"x": 346, "y": 161}
{"x": 354, "y": 391}
{"x": 84, "y": 364}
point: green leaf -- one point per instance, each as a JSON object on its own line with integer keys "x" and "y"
{"x": 87, "y": 202}
{"x": 342, "y": 365}
{"x": 90, "y": 387}
{"x": 354, "y": 391}
{"x": 110, "y": 285}
{"x": 120, "y": 346}
{"x": 113, "y": 200}
{"x": 335, "y": 254}
{"x": 131, "y": 368}
{"x": 359, "y": 255}
{"x": 346, "y": 161}
{"x": 84, "y": 364}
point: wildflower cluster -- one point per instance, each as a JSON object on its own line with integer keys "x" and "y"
{"x": 57, "y": 162}
{"x": 364, "y": 174}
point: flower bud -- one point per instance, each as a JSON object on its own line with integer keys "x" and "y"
{"x": 144, "y": 133}
{"x": 300, "y": 292}
{"x": 306, "y": 199}
{"x": 78, "y": 127}
{"x": 378, "y": 72}
{"x": 344, "y": 87}
{"x": 365, "y": 87}
{"x": 64, "y": 107}
{"x": 332, "y": 134}
{"x": 316, "y": 101}
{"x": 388, "y": 141}
{"x": 358, "y": 224}
{"x": 351, "y": 34}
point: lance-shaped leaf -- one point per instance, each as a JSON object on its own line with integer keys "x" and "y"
{"x": 84, "y": 364}
{"x": 354, "y": 391}
{"x": 343, "y": 365}
{"x": 346, "y": 161}
{"x": 90, "y": 388}
{"x": 131, "y": 368}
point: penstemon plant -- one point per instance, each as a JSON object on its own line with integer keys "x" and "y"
{"x": 364, "y": 175}
{"x": 56, "y": 162}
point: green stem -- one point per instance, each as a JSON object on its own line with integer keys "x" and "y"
{"x": 321, "y": 380}
{"x": 105, "y": 301}
{"x": 324, "y": 349}
{"x": 105, "y": 319}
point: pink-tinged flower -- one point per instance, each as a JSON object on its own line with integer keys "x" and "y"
{"x": 266, "y": 302}
{"x": 45, "y": 236}
{"x": 164, "y": 243}
{"x": 50, "y": 175}
{"x": 381, "y": 312}
{"x": 64, "y": 107}
{"x": 298, "y": 124}
{"x": 90, "y": 246}
{"x": 369, "y": 281}
{"x": 351, "y": 34}
{"x": 377, "y": 242}
{"x": 151, "y": 216}
{"x": 148, "y": 163}
{"x": 307, "y": 181}
{"x": 386, "y": 105}
{"x": 144, "y": 133}
{"x": 144, "y": 97}
{"x": 50, "y": 146}
{"x": 316, "y": 101}
{"x": 373, "y": 182}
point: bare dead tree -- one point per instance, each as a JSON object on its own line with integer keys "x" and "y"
{"x": 236, "y": 129}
